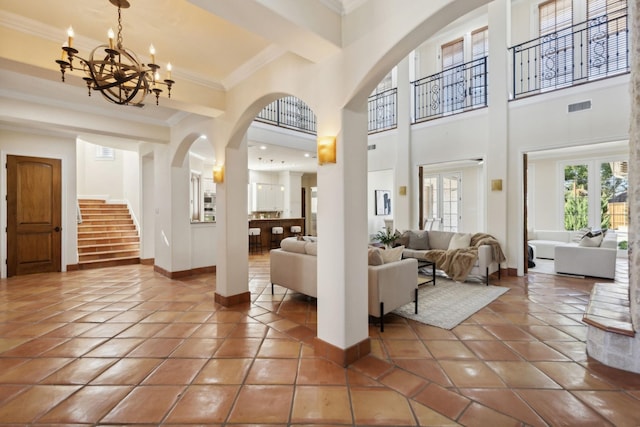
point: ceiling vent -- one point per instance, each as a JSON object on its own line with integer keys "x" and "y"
{"x": 579, "y": 106}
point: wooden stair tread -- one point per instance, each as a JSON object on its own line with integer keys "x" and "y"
{"x": 113, "y": 262}
{"x": 110, "y": 245}
{"x": 107, "y": 240}
{"x": 94, "y": 261}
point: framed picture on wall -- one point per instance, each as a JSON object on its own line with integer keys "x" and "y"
{"x": 383, "y": 202}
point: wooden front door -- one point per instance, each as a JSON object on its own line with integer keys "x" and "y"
{"x": 33, "y": 215}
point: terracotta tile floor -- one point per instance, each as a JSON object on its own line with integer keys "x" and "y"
{"x": 125, "y": 345}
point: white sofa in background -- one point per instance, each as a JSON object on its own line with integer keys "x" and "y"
{"x": 544, "y": 242}
{"x": 600, "y": 261}
{"x": 487, "y": 263}
{"x": 391, "y": 285}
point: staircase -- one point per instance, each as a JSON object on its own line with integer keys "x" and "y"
{"x": 107, "y": 235}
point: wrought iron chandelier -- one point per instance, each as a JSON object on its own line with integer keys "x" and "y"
{"x": 118, "y": 75}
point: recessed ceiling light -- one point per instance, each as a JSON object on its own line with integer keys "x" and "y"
{"x": 263, "y": 147}
{"x": 307, "y": 155}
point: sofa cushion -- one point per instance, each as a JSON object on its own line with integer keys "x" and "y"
{"x": 392, "y": 254}
{"x": 403, "y": 240}
{"x": 418, "y": 240}
{"x": 460, "y": 241}
{"x": 554, "y": 235}
{"x": 375, "y": 257}
{"x": 291, "y": 244}
{"x": 579, "y": 234}
{"x": 439, "y": 239}
{"x": 591, "y": 241}
{"x": 311, "y": 248}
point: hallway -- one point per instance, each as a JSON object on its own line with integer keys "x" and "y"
{"x": 125, "y": 345}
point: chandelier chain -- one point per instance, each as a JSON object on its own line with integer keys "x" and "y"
{"x": 119, "y": 28}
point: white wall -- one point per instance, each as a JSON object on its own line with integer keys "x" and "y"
{"x": 99, "y": 177}
{"x": 203, "y": 245}
{"x": 378, "y": 180}
{"x": 43, "y": 145}
{"x": 543, "y": 203}
{"x": 132, "y": 183}
{"x": 147, "y": 238}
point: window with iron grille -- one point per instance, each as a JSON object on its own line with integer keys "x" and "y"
{"x": 556, "y": 47}
{"x": 607, "y": 37}
{"x": 479, "y": 50}
{"x": 453, "y": 79}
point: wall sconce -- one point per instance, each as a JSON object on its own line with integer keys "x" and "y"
{"x": 326, "y": 150}
{"x": 496, "y": 185}
{"x": 218, "y": 174}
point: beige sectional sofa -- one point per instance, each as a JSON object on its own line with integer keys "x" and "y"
{"x": 391, "y": 285}
{"x": 458, "y": 255}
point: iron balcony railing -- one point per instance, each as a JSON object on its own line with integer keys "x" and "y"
{"x": 383, "y": 111}
{"x": 289, "y": 112}
{"x": 454, "y": 90}
{"x": 587, "y": 51}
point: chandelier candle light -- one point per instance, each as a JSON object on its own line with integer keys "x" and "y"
{"x": 119, "y": 75}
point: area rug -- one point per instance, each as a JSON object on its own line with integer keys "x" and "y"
{"x": 449, "y": 303}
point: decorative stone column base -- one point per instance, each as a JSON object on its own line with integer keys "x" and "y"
{"x": 615, "y": 350}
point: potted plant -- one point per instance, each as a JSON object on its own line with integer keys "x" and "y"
{"x": 387, "y": 237}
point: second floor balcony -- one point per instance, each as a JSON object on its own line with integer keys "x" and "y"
{"x": 454, "y": 90}
{"x": 584, "y": 52}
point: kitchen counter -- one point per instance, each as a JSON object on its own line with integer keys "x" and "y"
{"x": 265, "y": 228}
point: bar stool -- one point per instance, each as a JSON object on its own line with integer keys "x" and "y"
{"x": 276, "y": 236}
{"x": 296, "y": 230}
{"x": 255, "y": 244}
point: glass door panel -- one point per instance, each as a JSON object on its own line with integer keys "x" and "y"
{"x": 576, "y": 197}
{"x": 613, "y": 198}
{"x": 450, "y": 199}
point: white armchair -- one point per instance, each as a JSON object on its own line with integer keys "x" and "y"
{"x": 391, "y": 286}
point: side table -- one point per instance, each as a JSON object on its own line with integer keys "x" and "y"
{"x": 424, "y": 263}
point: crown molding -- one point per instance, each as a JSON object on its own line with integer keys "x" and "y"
{"x": 342, "y": 7}
{"x": 268, "y": 54}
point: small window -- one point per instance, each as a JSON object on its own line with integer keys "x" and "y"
{"x": 105, "y": 153}
{"x": 480, "y": 43}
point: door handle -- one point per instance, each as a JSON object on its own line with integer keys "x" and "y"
{"x": 57, "y": 229}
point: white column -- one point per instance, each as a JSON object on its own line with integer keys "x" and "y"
{"x": 232, "y": 267}
{"x": 403, "y": 169}
{"x": 292, "y": 182}
{"x": 162, "y": 207}
{"x": 634, "y": 165}
{"x": 172, "y": 226}
{"x": 180, "y": 219}
{"x": 497, "y": 152}
{"x": 342, "y": 237}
